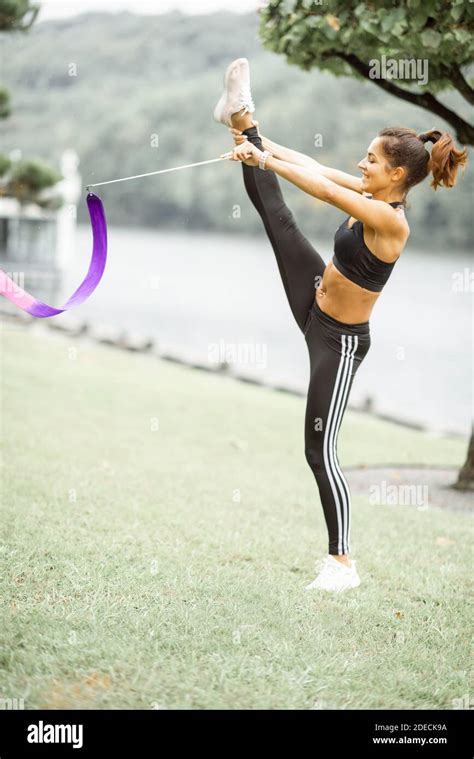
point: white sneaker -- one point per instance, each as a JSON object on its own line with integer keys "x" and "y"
{"x": 236, "y": 96}
{"x": 335, "y": 576}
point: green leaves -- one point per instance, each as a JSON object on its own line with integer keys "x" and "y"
{"x": 35, "y": 173}
{"x": 462, "y": 35}
{"x": 286, "y": 6}
{"x": 433, "y": 29}
{"x": 456, "y": 12}
{"x": 369, "y": 26}
{"x": 30, "y": 176}
{"x": 431, "y": 38}
{"x": 5, "y": 108}
{"x": 394, "y": 18}
{"x": 5, "y": 164}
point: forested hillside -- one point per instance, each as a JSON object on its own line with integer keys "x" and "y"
{"x": 134, "y": 94}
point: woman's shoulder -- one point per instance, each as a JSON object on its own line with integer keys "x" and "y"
{"x": 403, "y": 227}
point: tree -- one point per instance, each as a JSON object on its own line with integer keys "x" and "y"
{"x": 361, "y": 39}
{"x": 28, "y": 178}
{"x": 5, "y": 110}
{"x": 465, "y": 479}
{"x": 17, "y": 15}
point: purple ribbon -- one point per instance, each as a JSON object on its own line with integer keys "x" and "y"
{"x": 35, "y": 307}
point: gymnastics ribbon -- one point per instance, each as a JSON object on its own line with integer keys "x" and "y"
{"x": 35, "y": 307}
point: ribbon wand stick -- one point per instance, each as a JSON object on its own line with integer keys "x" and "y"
{"x": 162, "y": 171}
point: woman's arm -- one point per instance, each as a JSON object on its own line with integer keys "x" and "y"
{"x": 375, "y": 213}
{"x": 300, "y": 159}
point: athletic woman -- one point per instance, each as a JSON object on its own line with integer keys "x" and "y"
{"x": 332, "y": 303}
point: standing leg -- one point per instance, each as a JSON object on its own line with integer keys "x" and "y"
{"x": 335, "y": 355}
{"x": 301, "y": 267}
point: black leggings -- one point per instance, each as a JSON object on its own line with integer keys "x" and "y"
{"x": 336, "y": 349}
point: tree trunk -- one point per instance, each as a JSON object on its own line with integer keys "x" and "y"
{"x": 465, "y": 479}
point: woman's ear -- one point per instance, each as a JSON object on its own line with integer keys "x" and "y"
{"x": 399, "y": 174}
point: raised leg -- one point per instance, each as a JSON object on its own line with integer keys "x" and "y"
{"x": 301, "y": 266}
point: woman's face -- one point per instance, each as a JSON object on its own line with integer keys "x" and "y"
{"x": 377, "y": 174}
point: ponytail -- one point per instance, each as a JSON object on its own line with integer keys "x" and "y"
{"x": 445, "y": 158}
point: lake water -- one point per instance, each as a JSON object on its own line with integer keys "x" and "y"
{"x": 209, "y": 297}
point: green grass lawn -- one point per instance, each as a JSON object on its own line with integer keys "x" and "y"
{"x": 159, "y": 525}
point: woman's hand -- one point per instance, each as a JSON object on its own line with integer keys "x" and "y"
{"x": 239, "y": 137}
{"x": 245, "y": 152}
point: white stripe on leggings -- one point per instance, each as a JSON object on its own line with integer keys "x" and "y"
{"x": 342, "y": 480}
{"x": 335, "y": 476}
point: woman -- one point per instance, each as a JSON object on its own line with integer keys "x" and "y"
{"x": 332, "y": 303}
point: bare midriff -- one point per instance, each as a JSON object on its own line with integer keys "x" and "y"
{"x": 342, "y": 299}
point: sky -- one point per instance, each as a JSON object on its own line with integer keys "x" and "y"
{"x": 65, "y": 8}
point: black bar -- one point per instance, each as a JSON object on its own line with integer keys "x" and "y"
{"x": 165, "y": 732}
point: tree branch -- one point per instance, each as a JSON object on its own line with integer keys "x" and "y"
{"x": 464, "y": 130}
{"x": 455, "y": 76}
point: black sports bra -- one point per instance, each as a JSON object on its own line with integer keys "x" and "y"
{"x": 355, "y": 261}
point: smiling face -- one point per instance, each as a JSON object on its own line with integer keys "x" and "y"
{"x": 377, "y": 174}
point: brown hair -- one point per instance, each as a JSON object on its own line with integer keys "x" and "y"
{"x": 404, "y": 147}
